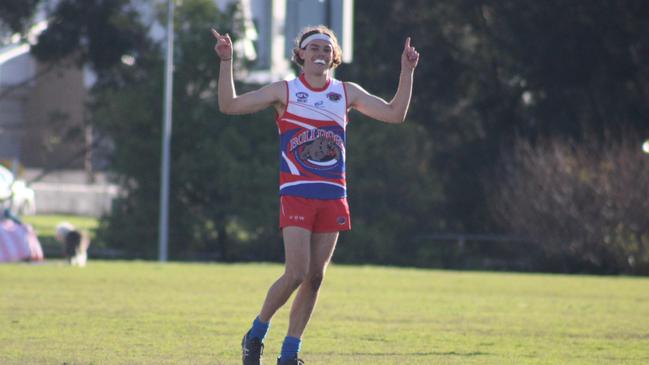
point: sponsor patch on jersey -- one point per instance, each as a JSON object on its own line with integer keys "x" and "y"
{"x": 302, "y": 97}
{"x": 335, "y": 97}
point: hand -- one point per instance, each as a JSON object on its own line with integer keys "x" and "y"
{"x": 409, "y": 57}
{"x": 223, "y": 47}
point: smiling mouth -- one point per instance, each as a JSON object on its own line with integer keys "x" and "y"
{"x": 320, "y": 62}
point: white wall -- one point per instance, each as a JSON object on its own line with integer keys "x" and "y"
{"x": 66, "y": 192}
{"x": 74, "y": 199}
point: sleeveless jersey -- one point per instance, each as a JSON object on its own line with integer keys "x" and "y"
{"x": 312, "y": 133}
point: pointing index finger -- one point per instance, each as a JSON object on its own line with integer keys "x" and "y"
{"x": 407, "y": 45}
{"x": 215, "y": 33}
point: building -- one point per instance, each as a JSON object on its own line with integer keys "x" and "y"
{"x": 41, "y": 108}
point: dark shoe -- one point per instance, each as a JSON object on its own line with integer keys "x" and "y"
{"x": 251, "y": 350}
{"x": 293, "y": 361}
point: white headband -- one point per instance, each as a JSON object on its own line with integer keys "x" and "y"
{"x": 316, "y": 37}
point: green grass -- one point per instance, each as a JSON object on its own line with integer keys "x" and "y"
{"x": 149, "y": 313}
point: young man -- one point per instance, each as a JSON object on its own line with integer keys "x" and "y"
{"x": 311, "y": 119}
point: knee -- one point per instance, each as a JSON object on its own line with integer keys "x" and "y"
{"x": 315, "y": 281}
{"x": 295, "y": 278}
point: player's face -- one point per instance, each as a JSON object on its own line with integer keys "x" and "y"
{"x": 318, "y": 54}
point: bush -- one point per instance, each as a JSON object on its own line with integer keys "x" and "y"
{"x": 586, "y": 204}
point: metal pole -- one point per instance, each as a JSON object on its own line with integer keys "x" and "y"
{"x": 166, "y": 138}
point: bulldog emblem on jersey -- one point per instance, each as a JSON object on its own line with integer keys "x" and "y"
{"x": 320, "y": 153}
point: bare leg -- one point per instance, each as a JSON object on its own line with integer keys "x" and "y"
{"x": 297, "y": 252}
{"x": 322, "y": 248}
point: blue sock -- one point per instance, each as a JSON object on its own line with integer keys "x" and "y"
{"x": 259, "y": 329}
{"x": 291, "y": 347}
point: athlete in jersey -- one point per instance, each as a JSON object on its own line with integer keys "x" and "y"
{"x": 311, "y": 120}
{"x": 312, "y": 140}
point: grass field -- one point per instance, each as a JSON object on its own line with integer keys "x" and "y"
{"x": 149, "y": 313}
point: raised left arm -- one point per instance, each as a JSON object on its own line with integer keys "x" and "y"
{"x": 375, "y": 107}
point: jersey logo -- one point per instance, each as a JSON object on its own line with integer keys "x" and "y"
{"x": 335, "y": 97}
{"x": 320, "y": 152}
{"x": 302, "y": 97}
{"x": 319, "y": 104}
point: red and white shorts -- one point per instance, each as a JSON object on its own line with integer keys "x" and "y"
{"x": 316, "y": 215}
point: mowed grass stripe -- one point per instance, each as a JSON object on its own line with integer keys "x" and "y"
{"x": 149, "y": 313}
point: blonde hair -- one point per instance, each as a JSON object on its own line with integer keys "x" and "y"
{"x": 337, "y": 59}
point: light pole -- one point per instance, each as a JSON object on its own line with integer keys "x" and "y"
{"x": 163, "y": 242}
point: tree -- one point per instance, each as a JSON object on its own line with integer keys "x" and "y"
{"x": 492, "y": 71}
{"x": 16, "y": 14}
{"x": 393, "y": 193}
{"x": 222, "y": 195}
{"x": 95, "y": 32}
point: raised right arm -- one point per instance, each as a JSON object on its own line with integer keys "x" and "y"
{"x": 250, "y": 102}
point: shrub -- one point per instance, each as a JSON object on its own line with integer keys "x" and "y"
{"x": 586, "y": 204}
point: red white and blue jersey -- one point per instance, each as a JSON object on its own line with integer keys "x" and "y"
{"x": 312, "y": 134}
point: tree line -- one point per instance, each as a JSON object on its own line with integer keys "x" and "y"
{"x": 526, "y": 121}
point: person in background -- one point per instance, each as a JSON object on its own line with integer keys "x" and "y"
{"x": 74, "y": 244}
